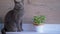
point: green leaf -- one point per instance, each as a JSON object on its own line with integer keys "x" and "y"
{"x": 39, "y": 19}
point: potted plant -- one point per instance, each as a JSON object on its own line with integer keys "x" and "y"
{"x": 39, "y": 22}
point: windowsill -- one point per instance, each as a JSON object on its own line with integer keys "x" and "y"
{"x": 48, "y": 28}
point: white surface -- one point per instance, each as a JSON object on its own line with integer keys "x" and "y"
{"x": 48, "y": 28}
{"x": 28, "y": 33}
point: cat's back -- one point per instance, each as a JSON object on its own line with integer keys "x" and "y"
{"x": 9, "y": 16}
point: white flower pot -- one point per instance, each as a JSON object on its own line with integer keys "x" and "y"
{"x": 39, "y": 28}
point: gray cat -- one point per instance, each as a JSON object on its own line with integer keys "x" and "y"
{"x": 13, "y": 19}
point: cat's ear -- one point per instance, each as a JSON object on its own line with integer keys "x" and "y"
{"x": 22, "y": 0}
{"x": 15, "y": 1}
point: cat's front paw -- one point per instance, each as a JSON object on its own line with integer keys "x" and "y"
{"x": 20, "y": 30}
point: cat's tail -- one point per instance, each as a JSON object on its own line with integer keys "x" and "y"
{"x": 3, "y": 31}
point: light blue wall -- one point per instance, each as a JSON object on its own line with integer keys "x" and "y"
{"x": 1, "y": 20}
{"x": 1, "y": 26}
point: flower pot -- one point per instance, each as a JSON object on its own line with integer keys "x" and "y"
{"x": 39, "y": 28}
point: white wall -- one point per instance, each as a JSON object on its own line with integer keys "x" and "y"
{"x": 49, "y": 8}
{"x": 5, "y": 6}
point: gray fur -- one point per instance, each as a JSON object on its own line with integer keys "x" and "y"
{"x": 13, "y": 19}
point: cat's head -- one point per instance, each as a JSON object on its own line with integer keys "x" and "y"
{"x": 18, "y": 3}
